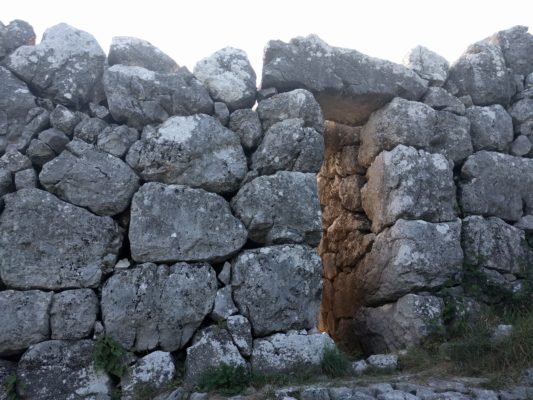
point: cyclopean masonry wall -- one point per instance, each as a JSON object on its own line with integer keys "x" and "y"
{"x": 162, "y": 209}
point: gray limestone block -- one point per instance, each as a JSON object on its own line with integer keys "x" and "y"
{"x": 55, "y": 139}
{"x": 61, "y": 369}
{"x": 224, "y": 306}
{"x": 25, "y": 179}
{"x": 73, "y": 314}
{"x": 177, "y": 223}
{"x": 6, "y": 182}
{"x": 139, "y": 305}
{"x": 8, "y": 370}
{"x": 87, "y": 177}
{"x": 221, "y": 112}
{"x": 64, "y": 119}
{"x": 117, "y": 139}
{"x": 229, "y": 77}
{"x": 14, "y": 161}
{"x": 88, "y": 129}
{"x": 278, "y": 288}
{"x": 440, "y": 99}
{"x": 281, "y": 208}
{"x": 491, "y": 128}
{"x": 132, "y": 51}
{"x": 66, "y": 66}
{"x": 24, "y": 319}
{"x": 410, "y": 184}
{"x": 517, "y": 48}
{"x": 39, "y": 153}
{"x": 18, "y": 33}
{"x": 196, "y": 151}
{"x": 138, "y": 96}
{"x": 70, "y": 247}
{"x": 246, "y": 124}
{"x": 428, "y": 65}
{"x": 521, "y": 146}
{"x": 355, "y": 85}
{"x": 240, "y": 330}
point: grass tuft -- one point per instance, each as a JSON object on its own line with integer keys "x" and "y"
{"x": 335, "y": 363}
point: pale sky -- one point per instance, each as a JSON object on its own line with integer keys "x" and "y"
{"x": 189, "y": 31}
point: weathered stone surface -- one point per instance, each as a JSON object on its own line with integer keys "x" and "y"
{"x": 69, "y": 245}
{"x": 298, "y": 103}
{"x": 100, "y": 111}
{"x": 24, "y": 319}
{"x": 139, "y": 305}
{"x": 224, "y": 306}
{"x": 229, "y": 77}
{"x": 91, "y": 178}
{"x": 522, "y": 113}
{"x": 132, "y": 51}
{"x": 278, "y": 288}
{"x": 139, "y": 97}
{"x": 491, "y": 128}
{"x": 289, "y": 352}
{"x": 152, "y": 372}
{"x": 73, "y": 314}
{"x": 525, "y": 223}
{"x": 350, "y": 192}
{"x": 64, "y": 119}
{"x": 66, "y": 66}
{"x": 281, "y": 208}
{"x": 428, "y": 65}
{"x": 440, "y": 99}
{"x": 410, "y": 184}
{"x": 517, "y": 48}
{"x": 14, "y": 161}
{"x": 247, "y": 125}
{"x": 289, "y": 146}
{"x": 411, "y": 256}
{"x": 40, "y": 153}
{"x": 176, "y": 223}
{"x": 395, "y": 326}
{"x": 59, "y": 369}
{"x": 55, "y": 139}
{"x": 211, "y": 347}
{"x": 15, "y": 103}
{"x": 344, "y": 393}
{"x": 17, "y": 33}
{"x": 117, "y": 140}
{"x": 7, "y": 370}
{"x": 89, "y": 129}
{"x": 221, "y": 112}
{"x": 495, "y": 184}
{"x": 521, "y": 146}
{"x": 418, "y": 125}
{"x": 6, "y": 182}
{"x": 482, "y": 74}
{"x": 354, "y": 86}
{"x": 196, "y": 151}
{"x": 25, "y": 179}
{"x": 240, "y": 330}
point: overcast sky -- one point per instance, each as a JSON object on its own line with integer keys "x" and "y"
{"x": 189, "y": 31}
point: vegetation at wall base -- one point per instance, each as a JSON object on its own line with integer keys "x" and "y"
{"x": 335, "y": 363}
{"x": 109, "y": 356}
{"x": 10, "y": 387}
{"x": 226, "y": 379}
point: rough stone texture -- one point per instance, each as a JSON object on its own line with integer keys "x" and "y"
{"x": 289, "y": 146}
{"x": 39, "y": 153}
{"x": 196, "y": 151}
{"x": 152, "y": 372}
{"x": 89, "y": 129}
{"x": 525, "y": 223}
{"x": 428, "y": 65}
{"x": 70, "y": 247}
{"x": 298, "y": 103}
{"x": 418, "y": 125}
{"x": 440, "y": 99}
{"x": 24, "y": 319}
{"x": 354, "y": 86}
{"x": 211, "y": 347}
{"x": 229, "y": 77}
{"x": 55, "y": 139}
{"x": 224, "y": 306}
{"x": 132, "y": 51}
{"x": 64, "y": 119}
{"x": 410, "y": 184}
{"x": 151, "y": 305}
{"x": 240, "y": 330}
{"x": 14, "y": 161}
{"x": 395, "y": 326}
{"x": 289, "y": 352}
{"x": 7, "y": 370}
{"x": 482, "y": 74}
{"x": 25, "y": 179}
{"x": 221, "y": 112}
{"x": 66, "y": 66}
{"x": 73, "y": 314}
{"x": 405, "y": 259}
{"x": 6, "y": 182}
{"x": 517, "y": 48}
{"x": 278, "y": 288}
{"x": 281, "y": 208}
{"x": 494, "y": 184}
{"x": 247, "y": 125}
{"x": 17, "y": 33}
{"x": 139, "y": 97}
{"x": 521, "y": 146}
{"x": 177, "y": 223}
{"x": 91, "y": 178}
{"x": 116, "y": 140}
{"x": 491, "y": 128}
{"x": 522, "y": 113}
{"x": 59, "y": 369}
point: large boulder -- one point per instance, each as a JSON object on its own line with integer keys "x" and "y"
{"x": 117, "y": 139}
{"x": 517, "y": 48}
{"x": 17, "y": 33}
{"x": 177, "y": 223}
{"x": 348, "y": 85}
{"x": 278, "y": 288}
{"x": 196, "y": 151}
{"x": 399, "y": 325}
{"x": 410, "y": 184}
{"x": 491, "y": 128}
{"x": 495, "y": 184}
{"x": 289, "y": 352}
{"x": 482, "y": 74}
{"x": 281, "y": 208}
{"x": 428, "y": 64}
{"x": 59, "y": 369}
{"x": 73, "y": 314}
{"x": 66, "y": 66}
{"x": 47, "y": 243}
{"x": 247, "y": 125}
{"x": 411, "y": 256}
{"x": 415, "y": 124}
{"x": 157, "y": 305}
{"x": 229, "y": 77}
{"x": 139, "y": 96}
{"x": 24, "y": 319}
{"x": 88, "y": 177}
{"x": 136, "y": 52}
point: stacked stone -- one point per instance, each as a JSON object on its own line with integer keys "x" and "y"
{"x": 152, "y": 205}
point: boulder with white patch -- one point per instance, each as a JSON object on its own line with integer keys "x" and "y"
{"x": 73, "y": 314}
{"x": 428, "y": 65}
{"x": 491, "y": 128}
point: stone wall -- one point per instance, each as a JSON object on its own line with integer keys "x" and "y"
{"x": 179, "y": 214}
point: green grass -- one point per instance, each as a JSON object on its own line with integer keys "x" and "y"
{"x": 228, "y": 380}
{"x": 109, "y": 356}
{"x": 335, "y": 363}
{"x": 10, "y": 387}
